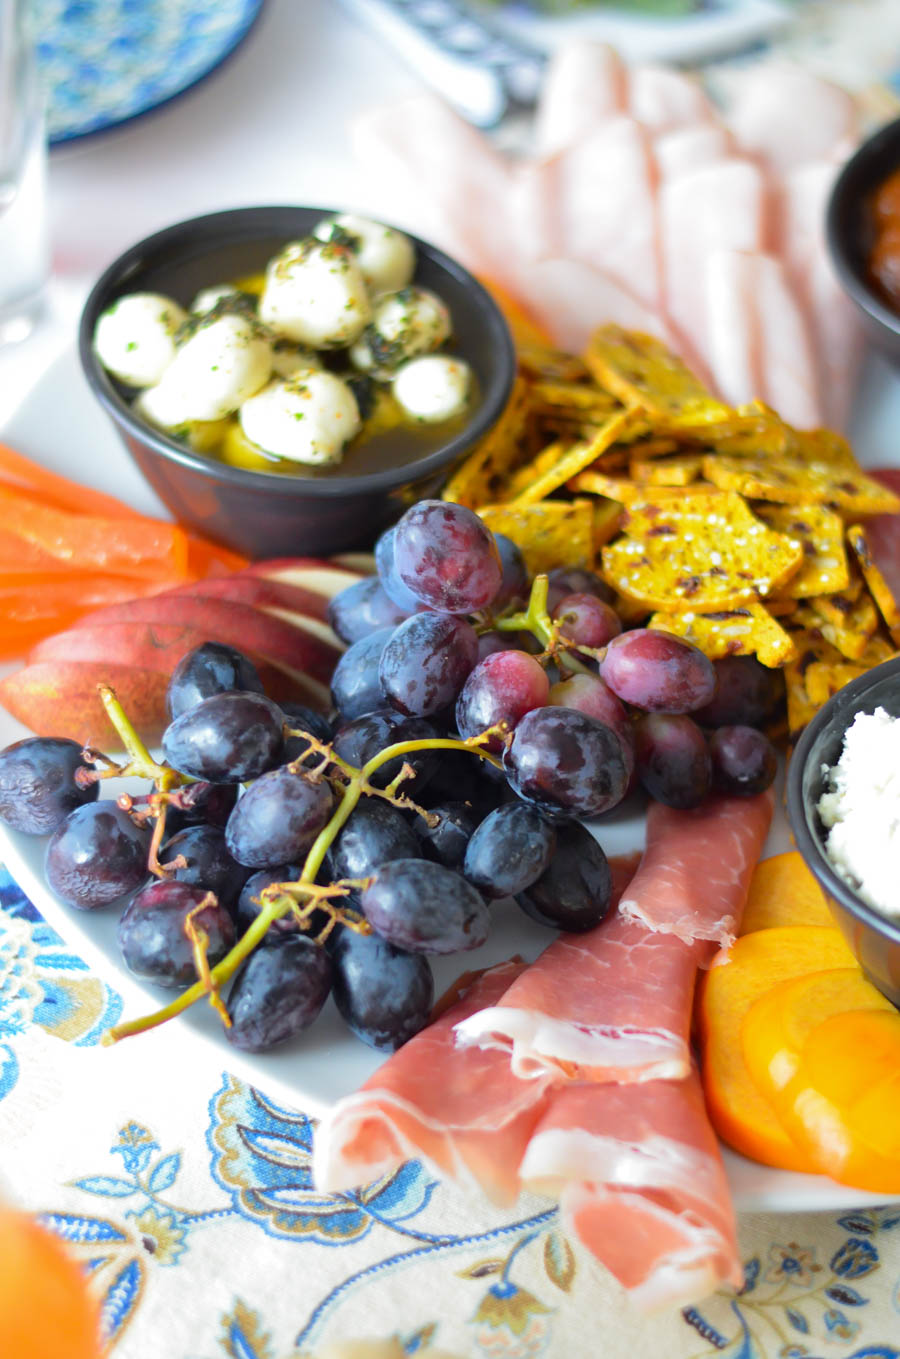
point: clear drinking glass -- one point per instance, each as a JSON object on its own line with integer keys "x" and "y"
{"x": 24, "y": 239}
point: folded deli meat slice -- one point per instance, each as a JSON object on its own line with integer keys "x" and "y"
{"x": 585, "y": 83}
{"x": 641, "y": 1184}
{"x": 613, "y": 1004}
{"x": 695, "y": 873}
{"x": 463, "y": 1112}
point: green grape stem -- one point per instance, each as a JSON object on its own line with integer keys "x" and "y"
{"x": 536, "y": 620}
{"x": 359, "y": 783}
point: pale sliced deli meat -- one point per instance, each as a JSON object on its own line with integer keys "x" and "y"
{"x": 803, "y": 198}
{"x": 584, "y": 83}
{"x": 663, "y": 98}
{"x": 695, "y": 873}
{"x": 721, "y": 206}
{"x": 566, "y": 297}
{"x": 789, "y": 116}
{"x": 679, "y": 150}
{"x": 464, "y": 1113}
{"x": 758, "y": 336}
{"x": 641, "y": 1184}
{"x": 602, "y": 197}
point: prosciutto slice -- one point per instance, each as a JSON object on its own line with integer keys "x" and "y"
{"x": 663, "y": 98}
{"x": 695, "y": 873}
{"x": 613, "y": 1004}
{"x": 764, "y": 116}
{"x": 641, "y": 1184}
{"x": 683, "y": 149}
{"x": 464, "y": 1113}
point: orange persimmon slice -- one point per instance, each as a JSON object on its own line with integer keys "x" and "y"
{"x": 738, "y": 977}
{"x": 843, "y": 1103}
{"x": 784, "y": 892}
{"x": 776, "y": 1027}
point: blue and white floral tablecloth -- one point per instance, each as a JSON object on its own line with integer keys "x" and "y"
{"x": 187, "y": 1196}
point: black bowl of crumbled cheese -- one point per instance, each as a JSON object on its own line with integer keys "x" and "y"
{"x": 843, "y": 801}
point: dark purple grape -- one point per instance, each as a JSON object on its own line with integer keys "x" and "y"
{"x": 673, "y": 761}
{"x": 743, "y": 760}
{"x": 209, "y": 865}
{"x": 278, "y": 818}
{"x": 565, "y": 762}
{"x": 658, "y": 672}
{"x": 461, "y": 777}
{"x": 509, "y": 851}
{"x": 489, "y": 643}
{"x": 446, "y": 841}
{"x": 426, "y": 661}
{"x": 304, "y": 719}
{"x": 588, "y": 694}
{"x": 96, "y": 855}
{"x": 384, "y": 994}
{"x": 278, "y": 991}
{"x": 515, "y": 582}
{"x": 355, "y": 685}
{"x": 447, "y": 557}
{"x": 212, "y": 668}
{"x": 37, "y": 783}
{"x": 248, "y": 907}
{"x": 575, "y": 580}
{"x": 586, "y": 620}
{"x": 501, "y": 688}
{"x": 228, "y": 738}
{"x": 361, "y": 740}
{"x": 746, "y": 692}
{"x": 575, "y": 891}
{"x": 425, "y": 908}
{"x": 362, "y": 608}
{"x": 391, "y": 583}
{"x": 201, "y": 804}
{"x": 154, "y": 939}
{"x": 374, "y": 834}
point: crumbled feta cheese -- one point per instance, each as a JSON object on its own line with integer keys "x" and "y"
{"x": 861, "y": 808}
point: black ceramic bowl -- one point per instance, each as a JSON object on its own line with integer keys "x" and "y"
{"x": 264, "y": 514}
{"x": 874, "y": 939}
{"x": 850, "y": 232}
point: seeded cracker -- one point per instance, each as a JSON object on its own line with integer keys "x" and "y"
{"x": 794, "y": 481}
{"x": 820, "y": 533}
{"x": 885, "y": 597}
{"x": 697, "y": 551}
{"x": 548, "y": 534}
{"x": 480, "y": 478}
{"x": 679, "y": 470}
{"x": 622, "y": 489}
{"x": 811, "y": 649}
{"x": 547, "y": 474}
{"x": 849, "y": 630}
{"x": 746, "y": 631}
{"x": 642, "y": 372}
{"x": 607, "y": 521}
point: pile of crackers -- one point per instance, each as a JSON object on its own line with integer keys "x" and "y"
{"x": 724, "y": 526}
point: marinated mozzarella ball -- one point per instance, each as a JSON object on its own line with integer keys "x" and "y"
{"x": 433, "y": 388}
{"x": 405, "y": 324}
{"x": 315, "y": 294}
{"x": 207, "y": 298}
{"x": 134, "y": 339}
{"x": 202, "y": 435}
{"x": 307, "y": 419}
{"x": 386, "y": 257}
{"x": 290, "y": 359}
{"x": 214, "y": 371}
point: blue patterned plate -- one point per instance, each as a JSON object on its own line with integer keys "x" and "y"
{"x": 107, "y": 61}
